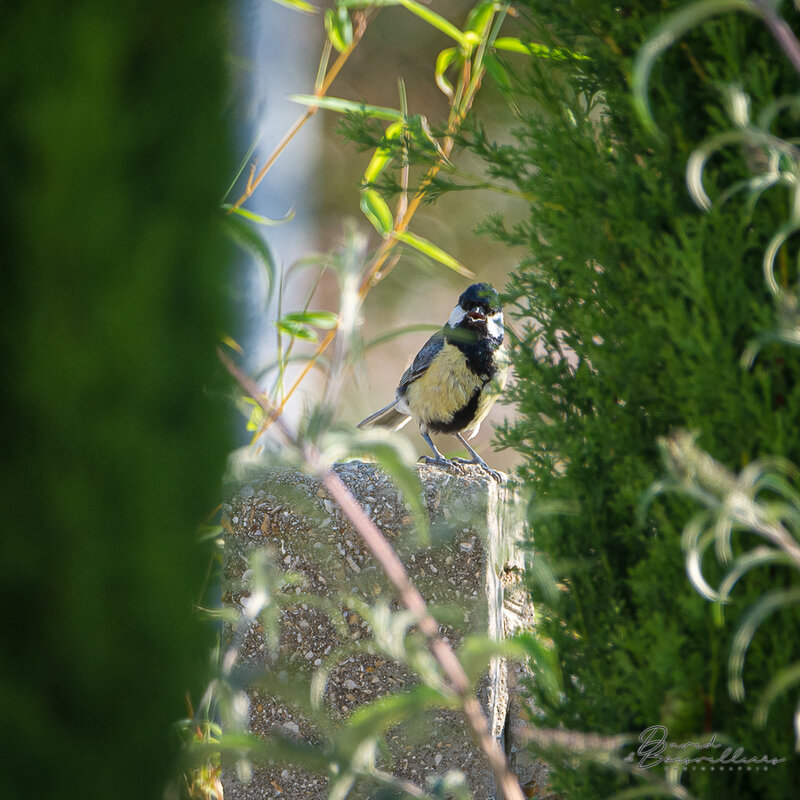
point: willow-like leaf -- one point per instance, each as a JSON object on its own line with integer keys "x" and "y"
{"x": 377, "y": 211}
{"x": 296, "y": 330}
{"x": 374, "y": 719}
{"x": 259, "y": 218}
{"x": 675, "y": 26}
{"x": 444, "y": 60}
{"x": 775, "y": 244}
{"x": 770, "y": 602}
{"x": 753, "y": 558}
{"x": 437, "y": 21}
{"x": 435, "y": 252}
{"x": 383, "y": 155}
{"x": 326, "y": 320}
{"x": 545, "y": 663}
{"x": 347, "y": 106}
{"x": 781, "y": 683}
{"x": 339, "y": 27}
{"x": 480, "y": 16}
{"x": 512, "y": 44}
{"x": 695, "y": 543}
{"x": 476, "y": 652}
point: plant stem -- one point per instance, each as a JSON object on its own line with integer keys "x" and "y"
{"x": 320, "y": 91}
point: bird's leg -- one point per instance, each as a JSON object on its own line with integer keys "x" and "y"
{"x": 439, "y": 458}
{"x": 476, "y": 459}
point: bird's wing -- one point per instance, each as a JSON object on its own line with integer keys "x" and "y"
{"x": 422, "y": 361}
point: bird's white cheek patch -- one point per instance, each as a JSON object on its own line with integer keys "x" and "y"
{"x": 456, "y": 316}
{"x": 494, "y": 325}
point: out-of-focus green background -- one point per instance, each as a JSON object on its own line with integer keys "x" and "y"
{"x": 114, "y": 154}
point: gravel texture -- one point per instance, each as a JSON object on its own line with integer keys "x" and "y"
{"x": 468, "y": 569}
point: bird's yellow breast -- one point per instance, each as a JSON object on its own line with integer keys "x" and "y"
{"x": 447, "y": 386}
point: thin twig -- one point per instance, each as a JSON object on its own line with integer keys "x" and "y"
{"x": 320, "y": 91}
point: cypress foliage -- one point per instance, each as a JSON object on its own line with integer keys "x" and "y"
{"x": 114, "y": 155}
{"x": 659, "y": 300}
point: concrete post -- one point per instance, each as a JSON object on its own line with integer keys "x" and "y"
{"x": 473, "y": 532}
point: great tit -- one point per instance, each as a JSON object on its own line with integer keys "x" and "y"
{"x": 455, "y": 378}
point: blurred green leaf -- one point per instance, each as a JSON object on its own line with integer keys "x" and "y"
{"x": 755, "y": 615}
{"x": 347, "y": 106}
{"x": 326, "y": 320}
{"x": 374, "y": 719}
{"x": 259, "y": 218}
{"x": 434, "y": 252}
{"x": 383, "y": 155}
{"x": 443, "y": 61}
{"x": 299, "y": 324}
{"x": 437, "y": 21}
{"x": 249, "y": 238}
{"x": 782, "y": 682}
{"x": 497, "y": 72}
{"x": 377, "y": 211}
{"x": 296, "y": 330}
{"x": 477, "y": 651}
{"x": 514, "y": 45}
{"x": 339, "y": 27}
{"x": 675, "y": 26}
{"x": 544, "y": 661}
{"x": 479, "y": 16}
{"x": 298, "y": 5}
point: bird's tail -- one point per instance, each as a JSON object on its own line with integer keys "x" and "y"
{"x": 389, "y": 417}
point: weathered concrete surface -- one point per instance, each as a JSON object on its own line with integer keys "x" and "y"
{"x": 291, "y": 515}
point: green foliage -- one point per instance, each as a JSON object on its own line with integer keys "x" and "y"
{"x": 113, "y": 155}
{"x": 658, "y": 301}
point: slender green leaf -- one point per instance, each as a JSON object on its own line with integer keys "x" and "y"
{"x": 347, "y": 106}
{"x": 377, "y": 211}
{"x": 296, "y": 330}
{"x": 476, "y": 652}
{"x": 675, "y": 26}
{"x": 480, "y": 16}
{"x": 326, "y": 320}
{"x": 768, "y": 603}
{"x": 259, "y": 218}
{"x": 544, "y": 661}
{"x": 435, "y": 252}
{"x": 514, "y": 45}
{"x": 383, "y": 155}
{"x": 497, "y": 72}
{"x": 782, "y": 682}
{"x": 339, "y": 27}
{"x": 443, "y": 61}
{"x": 437, "y": 21}
{"x": 298, "y": 5}
{"x": 375, "y": 718}
{"x": 248, "y": 237}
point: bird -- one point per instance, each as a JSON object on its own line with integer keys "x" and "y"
{"x": 455, "y": 378}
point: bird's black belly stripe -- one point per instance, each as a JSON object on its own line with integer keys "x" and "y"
{"x": 461, "y": 419}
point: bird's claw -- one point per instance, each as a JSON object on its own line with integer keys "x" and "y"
{"x": 467, "y": 462}
{"x": 437, "y": 462}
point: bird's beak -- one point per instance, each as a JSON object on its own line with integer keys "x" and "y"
{"x": 477, "y": 314}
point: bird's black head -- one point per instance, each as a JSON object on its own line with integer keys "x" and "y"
{"x": 479, "y": 312}
{"x": 481, "y": 295}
